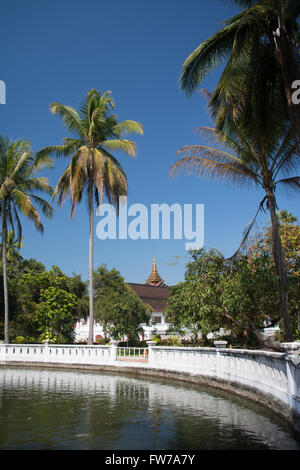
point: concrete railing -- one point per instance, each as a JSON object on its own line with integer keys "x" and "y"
{"x": 274, "y": 375}
{"x": 57, "y": 354}
{"x": 269, "y": 377}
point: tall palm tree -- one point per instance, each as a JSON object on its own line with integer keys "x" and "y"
{"x": 19, "y": 194}
{"x": 93, "y": 168}
{"x": 249, "y": 106}
{"x": 246, "y": 159}
{"x": 273, "y": 22}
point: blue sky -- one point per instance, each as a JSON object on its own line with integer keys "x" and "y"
{"x": 56, "y": 50}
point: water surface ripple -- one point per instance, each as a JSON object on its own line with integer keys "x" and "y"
{"x": 60, "y": 409}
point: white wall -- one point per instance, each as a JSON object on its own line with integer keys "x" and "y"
{"x": 82, "y": 328}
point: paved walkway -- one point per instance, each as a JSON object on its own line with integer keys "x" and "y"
{"x": 127, "y": 359}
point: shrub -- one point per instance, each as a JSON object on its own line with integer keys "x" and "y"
{"x": 171, "y": 341}
{"x": 132, "y": 344}
{"x": 102, "y": 341}
{"x": 20, "y": 340}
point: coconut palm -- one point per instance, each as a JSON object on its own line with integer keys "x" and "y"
{"x": 272, "y": 22}
{"x": 251, "y": 92}
{"x": 249, "y": 109}
{"x": 19, "y": 194}
{"x": 93, "y": 168}
{"x": 243, "y": 160}
{"x": 13, "y": 246}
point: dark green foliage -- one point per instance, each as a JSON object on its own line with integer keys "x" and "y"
{"x": 218, "y": 296}
{"x": 117, "y": 307}
{"x": 44, "y": 304}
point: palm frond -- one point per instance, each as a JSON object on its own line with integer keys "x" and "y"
{"x": 92, "y": 162}
{"x": 45, "y": 207}
{"x": 247, "y": 231}
{"x": 292, "y": 183}
{"x": 21, "y": 161}
{"x": 18, "y": 222}
{"x": 214, "y": 163}
{"x": 213, "y": 169}
{"x": 24, "y": 203}
{"x": 205, "y": 58}
{"x": 68, "y": 147}
{"x": 69, "y": 115}
{"x": 244, "y": 150}
{"x": 37, "y": 184}
{"x": 229, "y": 40}
{"x": 287, "y": 157}
{"x": 62, "y": 189}
{"x": 127, "y": 128}
{"x": 124, "y": 145}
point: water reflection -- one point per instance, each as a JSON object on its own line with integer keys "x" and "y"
{"x": 57, "y": 409}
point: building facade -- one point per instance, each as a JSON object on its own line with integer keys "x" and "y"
{"x": 153, "y": 292}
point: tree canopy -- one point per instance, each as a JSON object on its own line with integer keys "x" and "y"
{"x": 219, "y": 296}
{"x": 117, "y": 306}
{"x": 44, "y": 304}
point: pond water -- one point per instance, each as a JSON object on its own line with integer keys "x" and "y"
{"x": 70, "y": 410}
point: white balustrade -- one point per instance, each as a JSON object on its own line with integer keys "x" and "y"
{"x": 55, "y": 354}
{"x": 273, "y": 374}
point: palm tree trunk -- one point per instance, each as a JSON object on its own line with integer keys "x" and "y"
{"x": 4, "y": 238}
{"x": 280, "y": 266}
{"x": 91, "y": 248}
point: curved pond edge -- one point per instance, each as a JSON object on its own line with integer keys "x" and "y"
{"x": 251, "y": 393}
{"x": 268, "y": 378}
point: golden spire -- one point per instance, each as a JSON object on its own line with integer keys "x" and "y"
{"x": 154, "y": 279}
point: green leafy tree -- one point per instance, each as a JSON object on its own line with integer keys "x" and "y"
{"x": 259, "y": 246}
{"x": 56, "y": 315}
{"x": 127, "y": 313}
{"x": 195, "y": 305}
{"x": 117, "y": 307}
{"x": 244, "y": 158}
{"x": 31, "y": 264}
{"x": 48, "y": 303}
{"x": 19, "y": 194}
{"x": 250, "y": 302}
{"x": 217, "y": 296}
{"x": 185, "y": 310}
{"x": 106, "y": 282}
{"x": 93, "y": 168}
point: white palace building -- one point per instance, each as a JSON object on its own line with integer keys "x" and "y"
{"x": 155, "y": 293}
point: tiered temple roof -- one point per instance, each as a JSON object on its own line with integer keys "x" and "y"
{"x": 154, "y": 292}
{"x": 154, "y": 279}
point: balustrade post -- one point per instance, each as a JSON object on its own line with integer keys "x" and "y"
{"x": 292, "y": 359}
{"x": 2, "y": 351}
{"x": 219, "y": 345}
{"x": 46, "y": 350}
{"x": 113, "y": 351}
{"x": 150, "y": 344}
